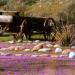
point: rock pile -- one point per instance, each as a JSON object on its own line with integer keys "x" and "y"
{"x": 55, "y": 50}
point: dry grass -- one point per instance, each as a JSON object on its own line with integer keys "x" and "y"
{"x": 66, "y": 36}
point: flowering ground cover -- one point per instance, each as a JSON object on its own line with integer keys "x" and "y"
{"x": 35, "y": 58}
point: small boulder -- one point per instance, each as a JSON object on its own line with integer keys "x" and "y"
{"x": 44, "y": 55}
{"x": 44, "y": 50}
{"x": 54, "y": 56}
{"x": 16, "y": 48}
{"x": 18, "y": 54}
{"x": 56, "y": 46}
{"x": 66, "y": 52}
{"x": 71, "y": 54}
{"x": 19, "y": 41}
{"x": 73, "y": 47}
{"x": 3, "y": 49}
{"x": 21, "y": 47}
{"x": 11, "y": 48}
{"x": 37, "y": 47}
{"x": 49, "y": 45}
{"x": 4, "y": 54}
{"x": 27, "y": 50}
{"x": 34, "y": 56}
{"x": 37, "y": 41}
{"x": 58, "y": 50}
{"x": 11, "y": 42}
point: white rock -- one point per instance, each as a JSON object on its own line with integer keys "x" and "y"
{"x": 34, "y": 55}
{"x": 71, "y": 54}
{"x": 11, "y": 41}
{"x": 73, "y": 47}
{"x": 37, "y": 41}
{"x": 44, "y": 50}
{"x": 3, "y": 49}
{"x": 57, "y": 46}
{"x": 18, "y": 54}
{"x": 26, "y": 50}
{"x": 49, "y": 45}
{"x": 29, "y": 41}
{"x": 58, "y": 50}
{"x": 19, "y": 41}
{"x": 44, "y": 55}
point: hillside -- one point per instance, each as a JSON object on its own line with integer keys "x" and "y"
{"x": 44, "y": 8}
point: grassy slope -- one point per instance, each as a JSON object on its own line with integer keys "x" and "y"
{"x": 8, "y": 38}
{"x": 48, "y": 7}
{"x": 5, "y": 38}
